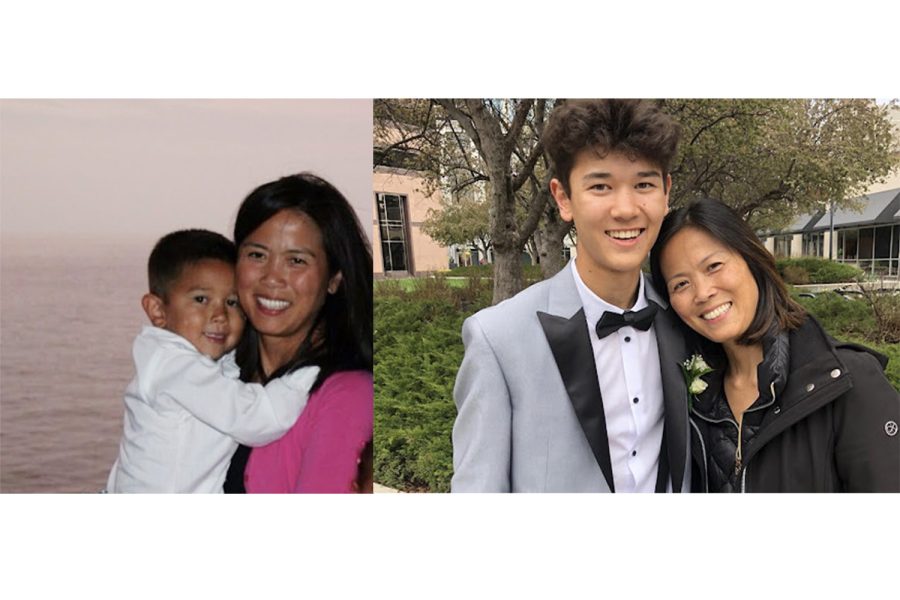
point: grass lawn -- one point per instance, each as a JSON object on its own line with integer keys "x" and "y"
{"x": 409, "y": 284}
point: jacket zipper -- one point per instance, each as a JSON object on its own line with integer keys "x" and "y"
{"x": 738, "y": 453}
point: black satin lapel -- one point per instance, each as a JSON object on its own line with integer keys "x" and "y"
{"x": 662, "y": 473}
{"x": 571, "y": 346}
{"x": 672, "y": 352}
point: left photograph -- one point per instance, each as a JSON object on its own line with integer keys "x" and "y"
{"x": 186, "y": 296}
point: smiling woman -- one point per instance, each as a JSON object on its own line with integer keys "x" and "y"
{"x": 787, "y": 408}
{"x": 304, "y": 279}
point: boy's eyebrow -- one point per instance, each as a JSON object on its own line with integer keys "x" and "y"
{"x": 605, "y": 175}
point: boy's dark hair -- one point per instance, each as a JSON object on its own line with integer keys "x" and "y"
{"x": 178, "y": 249}
{"x": 776, "y": 310}
{"x": 639, "y": 129}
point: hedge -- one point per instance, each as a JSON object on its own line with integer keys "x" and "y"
{"x": 816, "y": 270}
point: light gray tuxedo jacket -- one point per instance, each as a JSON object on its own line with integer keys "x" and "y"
{"x": 530, "y": 411}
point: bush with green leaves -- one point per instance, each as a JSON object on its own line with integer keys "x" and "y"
{"x": 418, "y": 350}
{"x": 816, "y": 270}
{"x": 841, "y": 316}
{"x": 531, "y": 273}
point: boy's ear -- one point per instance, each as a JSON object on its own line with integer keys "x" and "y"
{"x": 335, "y": 282}
{"x": 155, "y": 309}
{"x": 562, "y": 199}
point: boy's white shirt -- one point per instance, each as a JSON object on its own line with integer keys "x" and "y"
{"x": 185, "y": 415}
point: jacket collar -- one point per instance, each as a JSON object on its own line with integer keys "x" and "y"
{"x": 816, "y": 377}
{"x": 771, "y": 374}
{"x": 568, "y": 335}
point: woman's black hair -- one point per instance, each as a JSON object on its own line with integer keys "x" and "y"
{"x": 776, "y": 310}
{"x": 345, "y": 320}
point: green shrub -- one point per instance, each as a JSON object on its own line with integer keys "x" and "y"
{"x": 795, "y": 275}
{"x": 531, "y": 272}
{"x": 418, "y": 350}
{"x": 819, "y": 270}
{"x": 839, "y": 316}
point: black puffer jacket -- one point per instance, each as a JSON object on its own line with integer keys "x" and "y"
{"x": 826, "y": 420}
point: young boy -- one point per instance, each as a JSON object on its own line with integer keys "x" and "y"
{"x": 574, "y": 384}
{"x": 185, "y": 410}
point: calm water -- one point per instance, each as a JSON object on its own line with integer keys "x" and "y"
{"x": 68, "y": 315}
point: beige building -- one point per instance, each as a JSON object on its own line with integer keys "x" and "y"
{"x": 400, "y": 248}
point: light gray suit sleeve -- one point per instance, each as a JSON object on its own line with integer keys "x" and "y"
{"x": 483, "y": 429}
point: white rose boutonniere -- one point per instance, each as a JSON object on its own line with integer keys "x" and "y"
{"x": 694, "y": 368}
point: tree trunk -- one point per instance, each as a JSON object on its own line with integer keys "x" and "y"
{"x": 507, "y": 272}
{"x": 552, "y": 259}
{"x": 553, "y": 232}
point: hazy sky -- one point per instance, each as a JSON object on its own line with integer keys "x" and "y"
{"x": 114, "y": 169}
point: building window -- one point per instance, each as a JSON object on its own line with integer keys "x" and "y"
{"x": 866, "y": 243}
{"x": 814, "y": 244}
{"x": 847, "y": 244}
{"x": 392, "y": 224}
{"x": 782, "y": 246}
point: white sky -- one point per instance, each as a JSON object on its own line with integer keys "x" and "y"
{"x": 114, "y": 169}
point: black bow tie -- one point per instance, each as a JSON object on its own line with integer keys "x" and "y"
{"x": 641, "y": 319}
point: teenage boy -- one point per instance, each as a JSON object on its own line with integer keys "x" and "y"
{"x": 575, "y": 384}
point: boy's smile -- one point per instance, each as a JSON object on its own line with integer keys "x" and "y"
{"x": 202, "y": 307}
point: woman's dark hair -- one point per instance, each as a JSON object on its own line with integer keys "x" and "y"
{"x": 776, "y": 310}
{"x": 635, "y": 128}
{"x": 345, "y": 320}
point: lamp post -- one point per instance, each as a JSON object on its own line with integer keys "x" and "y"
{"x": 831, "y": 228}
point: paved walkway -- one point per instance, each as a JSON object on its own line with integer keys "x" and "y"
{"x": 382, "y": 489}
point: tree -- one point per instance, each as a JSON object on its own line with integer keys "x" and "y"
{"x": 461, "y": 221}
{"x": 773, "y": 160}
{"x": 461, "y": 143}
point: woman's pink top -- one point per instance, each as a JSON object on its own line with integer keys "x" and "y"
{"x": 319, "y": 454}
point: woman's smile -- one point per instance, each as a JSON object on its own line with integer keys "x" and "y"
{"x": 271, "y": 306}
{"x": 716, "y": 314}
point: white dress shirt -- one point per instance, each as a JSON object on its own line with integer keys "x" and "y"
{"x": 627, "y": 364}
{"x": 185, "y": 415}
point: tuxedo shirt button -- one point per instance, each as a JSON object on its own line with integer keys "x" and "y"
{"x": 635, "y": 400}
{"x": 627, "y": 339}
{"x": 634, "y": 452}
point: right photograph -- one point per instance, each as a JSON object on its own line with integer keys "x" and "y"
{"x": 636, "y": 295}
